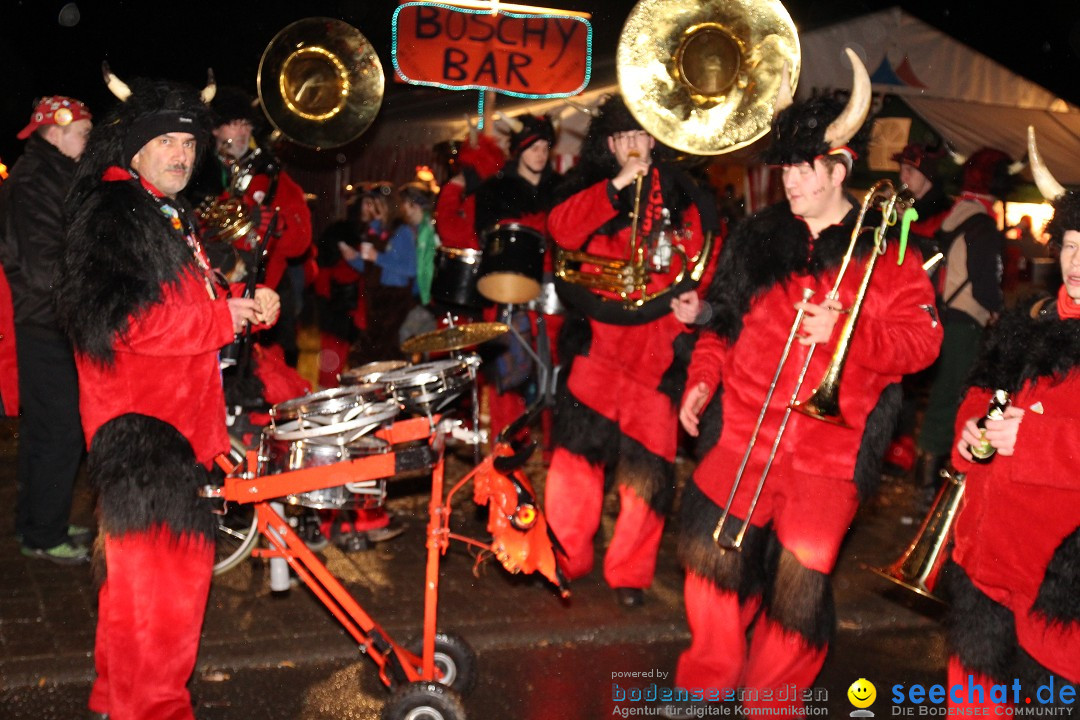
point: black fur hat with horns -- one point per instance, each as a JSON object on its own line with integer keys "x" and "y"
{"x": 821, "y": 125}
{"x": 147, "y": 108}
{"x": 1066, "y": 202}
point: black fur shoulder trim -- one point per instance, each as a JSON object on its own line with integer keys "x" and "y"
{"x": 769, "y": 248}
{"x": 120, "y": 253}
{"x": 1021, "y": 348}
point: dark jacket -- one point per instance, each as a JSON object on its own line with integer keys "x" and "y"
{"x": 32, "y": 228}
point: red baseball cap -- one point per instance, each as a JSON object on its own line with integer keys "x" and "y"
{"x": 55, "y": 110}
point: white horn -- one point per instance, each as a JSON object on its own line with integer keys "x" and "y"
{"x": 210, "y": 90}
{"x": 784, "y": 98}
{"x": 1050, "y": 188}
{"x": 515, "y": 125}
{"x": 843, "y": 128}
{"x": 117, "y": 86}
{"x": 581, "y": 108}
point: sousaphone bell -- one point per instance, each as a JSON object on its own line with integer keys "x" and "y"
{"x": 320, "y": 82}
{"x": 702, "y": 76}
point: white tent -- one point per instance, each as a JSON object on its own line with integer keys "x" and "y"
{"x": 971, "y": 100}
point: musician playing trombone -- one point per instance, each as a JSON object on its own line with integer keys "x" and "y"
{"x": 764, "y": 574}
{"x": 1015, "y": 569}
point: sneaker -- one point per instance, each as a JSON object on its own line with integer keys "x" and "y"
{"x": 63, "y": 554}
{"x": 81, "y": 535}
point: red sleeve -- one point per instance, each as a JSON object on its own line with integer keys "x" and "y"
{"x": 183, "y": 323}
{"x": 455, "y": 217}
{"x": 706, "y": 363}
{"x": 574, "y": 220}
{"x": 293, "y": 225}
{"x": 896, "y": 332}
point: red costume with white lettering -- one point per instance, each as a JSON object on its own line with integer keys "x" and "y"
{"x": 618, "y": 413}
{"x": 1012, "y": 583}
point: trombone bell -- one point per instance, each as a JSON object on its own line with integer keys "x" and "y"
{"x": 919, "y": 567}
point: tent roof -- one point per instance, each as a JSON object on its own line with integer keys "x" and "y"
{"x": 971, "y": 100}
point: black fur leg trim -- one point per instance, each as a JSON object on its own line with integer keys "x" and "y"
{"x": 146, "y": 475}
{"x": 585, "y": 432}
{"x": 801, "y": 600}
{"x": 650, "y": 476}
{"x": 1060, "y": 588}
{"x": 980, "y": 632}
{"x": 742, "y": 572}
{"x": 880, "y": 425}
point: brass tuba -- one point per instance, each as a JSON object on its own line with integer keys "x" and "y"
{"x": 704, "y": 77}
{"x": 320, "y": 82}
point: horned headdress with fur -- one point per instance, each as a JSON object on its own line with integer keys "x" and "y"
{"x": 1066, "y": 202}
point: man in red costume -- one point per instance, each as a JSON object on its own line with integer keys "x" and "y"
{"x": 761, "y": 616}
{"x": 253, "y": 174}
{"x": 1015, "y": 568}
{"x": 618, "y": 413}
{"x": 147, "y": 318}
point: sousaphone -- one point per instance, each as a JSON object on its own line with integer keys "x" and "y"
{"x": 320, "y": 82}
{"x": 703, "y": 76}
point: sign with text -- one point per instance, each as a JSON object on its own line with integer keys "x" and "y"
{"x": 542, "y": 54}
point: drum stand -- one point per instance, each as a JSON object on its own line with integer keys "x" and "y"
{"x": 408, "y": 671}
{"x": 546, "y": 375}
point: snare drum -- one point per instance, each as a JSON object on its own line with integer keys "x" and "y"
{"x": 371, "y": 372}
{"x": 429, "y": 387}
{"x": 513, "y": 264}
{"x": 456, "y": 272}
{"x": 348, "y": 412}
{"x": 279, "y": 456}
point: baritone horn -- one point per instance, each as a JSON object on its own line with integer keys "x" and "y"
{"x": 703, "y": 77}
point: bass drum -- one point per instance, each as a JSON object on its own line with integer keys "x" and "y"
{"x": 513, "y": 264}
{"x": 456, "y": 274}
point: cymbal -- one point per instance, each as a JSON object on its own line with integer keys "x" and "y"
{"x": 458, "y": 337}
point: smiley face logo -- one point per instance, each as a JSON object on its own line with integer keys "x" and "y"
{"x": 862, "y": 693}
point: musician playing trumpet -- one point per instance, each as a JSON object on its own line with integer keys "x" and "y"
{"x": 618, "y": 414}
{"x": 777, "y": 267}
{"x": 1015, "y": 568}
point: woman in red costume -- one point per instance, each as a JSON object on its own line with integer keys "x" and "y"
{"x": 1014, "y": 578}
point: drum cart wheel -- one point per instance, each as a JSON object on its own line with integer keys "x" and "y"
{"x": 238, "y": 528}
{"x": 455, "y": 661}
{"x": 424, "y": 701}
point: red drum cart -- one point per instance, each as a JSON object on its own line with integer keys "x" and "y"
{"x": 427, "y": 682}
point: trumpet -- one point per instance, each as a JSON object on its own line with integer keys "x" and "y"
{"x": 823, "y": 403}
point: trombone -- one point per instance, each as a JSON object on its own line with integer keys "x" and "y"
{"x": 824, "y": 403}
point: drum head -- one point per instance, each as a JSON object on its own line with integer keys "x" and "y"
{"x": 371, "y": 372}
{"x": 513, "y": 264}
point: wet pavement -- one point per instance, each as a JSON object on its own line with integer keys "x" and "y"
{"x": 540, "y": 657}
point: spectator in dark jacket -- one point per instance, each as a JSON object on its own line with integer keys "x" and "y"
{"x": 50, "y": 432}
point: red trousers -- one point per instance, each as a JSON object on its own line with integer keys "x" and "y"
{"x": 150, "y": 614}
{"x": 810, "y": 516}
{"x": 573, "y": 504}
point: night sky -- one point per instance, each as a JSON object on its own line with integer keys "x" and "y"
{"x": 179, "y": 40}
